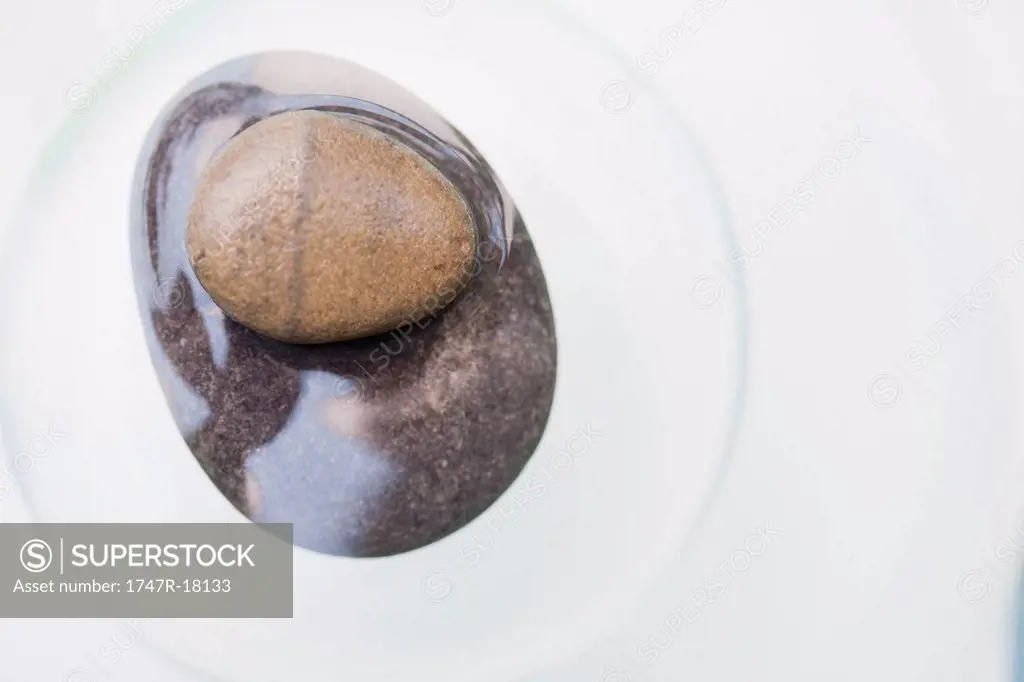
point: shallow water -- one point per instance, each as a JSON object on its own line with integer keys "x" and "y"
{"x": 371, "y": 447}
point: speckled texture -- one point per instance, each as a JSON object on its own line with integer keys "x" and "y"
{"x": 309, "y": 227}
{"x": 370, "y": 447}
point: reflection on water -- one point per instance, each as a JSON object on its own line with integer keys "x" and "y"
{"x": 312, "y": 475}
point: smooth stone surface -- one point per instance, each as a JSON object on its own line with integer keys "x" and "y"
{"x": 310, "y": 227}
{"x": 369, "y": 447}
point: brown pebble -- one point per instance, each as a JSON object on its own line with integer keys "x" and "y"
{"x": 310, "y": 228}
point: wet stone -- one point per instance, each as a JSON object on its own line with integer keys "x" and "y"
{"x": 310, "y": 227}
{"x": 373, "y": 446}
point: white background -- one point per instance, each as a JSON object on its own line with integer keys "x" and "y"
{"x": 883, "y": 510}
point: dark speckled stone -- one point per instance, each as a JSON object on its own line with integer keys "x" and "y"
{"x": 370, "y": 447}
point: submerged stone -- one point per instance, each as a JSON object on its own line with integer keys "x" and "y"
{"x": 310, "y": 227}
